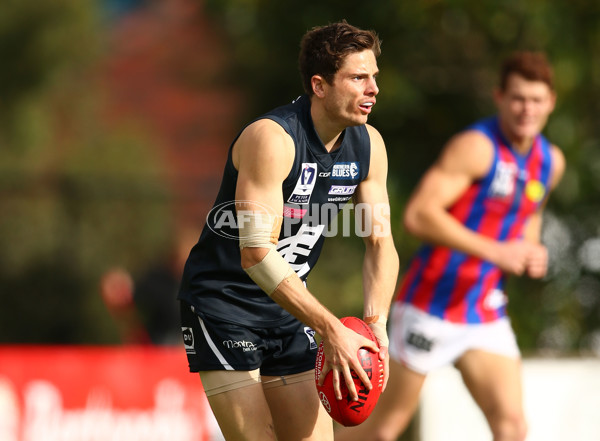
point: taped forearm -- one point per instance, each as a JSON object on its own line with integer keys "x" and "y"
{"x": 261, "y": 230}
{"x": 270, "y": 271}
{"x": 258, "y": 229}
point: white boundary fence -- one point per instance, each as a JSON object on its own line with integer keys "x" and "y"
{"x": 561, "y": 398}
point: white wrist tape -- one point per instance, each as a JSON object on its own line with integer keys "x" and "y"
{"x": 261, "y": 230}
{"x": 270, "y": 271}
{"x": 378, "y": 326}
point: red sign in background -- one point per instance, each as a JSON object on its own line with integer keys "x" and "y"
{"x": 89, "y": 393}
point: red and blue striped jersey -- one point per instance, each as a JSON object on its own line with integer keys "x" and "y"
{"x": 462, "y": 288}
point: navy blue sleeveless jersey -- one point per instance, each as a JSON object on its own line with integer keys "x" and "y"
{"x": 317, "y": 187}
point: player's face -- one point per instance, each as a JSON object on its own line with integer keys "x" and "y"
{"x": 351, "y": 96}
{"x": 524, "y": 107}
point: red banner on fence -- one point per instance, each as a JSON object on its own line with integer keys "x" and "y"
{"x": 87, "y": 393}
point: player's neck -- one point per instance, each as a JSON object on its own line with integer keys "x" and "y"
{"x": 520, "y": 144}
{"x": 327, "y": 130}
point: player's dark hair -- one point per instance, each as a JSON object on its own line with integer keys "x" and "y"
{"x": 324, "y": 48}
{"x": 532, "y": 66}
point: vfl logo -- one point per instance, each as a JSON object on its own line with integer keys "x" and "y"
{"x": 308, "y": 175}
{"x": 310, "y": 333}
{"x": 305, "y": 184}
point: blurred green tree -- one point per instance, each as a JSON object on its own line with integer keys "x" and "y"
{"x": 78, "y": 194}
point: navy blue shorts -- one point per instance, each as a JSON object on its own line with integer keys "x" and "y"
{"x": 212, "y": 344}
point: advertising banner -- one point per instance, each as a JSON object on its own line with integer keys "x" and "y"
{"x": 97, "y": 393}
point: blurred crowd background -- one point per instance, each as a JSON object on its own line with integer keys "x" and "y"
{"x": 116, "y": 117}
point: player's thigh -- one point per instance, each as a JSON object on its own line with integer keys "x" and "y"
{"x": 239, "y": 405}
{"x": 398, "y": 402}
{"x": 402, "y": 391}
{"x": 494, "y": 381}
{"x": 295, "y": 407}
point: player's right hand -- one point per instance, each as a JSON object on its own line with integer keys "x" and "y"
{"x": 341, "y": 347}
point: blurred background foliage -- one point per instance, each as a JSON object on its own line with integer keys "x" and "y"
{"x": 78, "y": 193}
{"x": 83, "y": 190}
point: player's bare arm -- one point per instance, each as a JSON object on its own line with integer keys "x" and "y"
{"x": 263, "y": 165}
{"x": 467, "y": 157}
{"x": 537, "y": 263}
{"x": 381, "y": 264}
{"x": 559, "y": 164}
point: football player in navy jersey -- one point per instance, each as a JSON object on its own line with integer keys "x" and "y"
{"x": 478, "y": 210}
{"x": 248, "y": 318}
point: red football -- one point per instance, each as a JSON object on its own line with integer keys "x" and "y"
{"x": 346, "y": 411}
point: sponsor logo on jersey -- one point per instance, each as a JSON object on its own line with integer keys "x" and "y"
{"x": 188, "y": 339}
{"x": 535, "y": 190}
{"x": 244, "y": 345}
{"x": 339, "y": 199}
{"x": 342, "y": 189}
{"x": 342, "y": 192}
{"x": 419, "y": 341}
{"x": 305, "y": 184}
{"x": 345, "y": 170}
{"x": 293, "y": 212}
{"x": 495, "y": 299}
{"x": 503, "y": 184}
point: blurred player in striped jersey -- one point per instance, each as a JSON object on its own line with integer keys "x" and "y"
{"x": 478, "y": 210}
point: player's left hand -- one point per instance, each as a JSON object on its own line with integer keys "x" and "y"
{"x": 378, "y": 326}
{"x": 537, "y": 261}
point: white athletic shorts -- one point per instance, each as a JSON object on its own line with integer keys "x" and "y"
{"x": 424, "y": 342}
